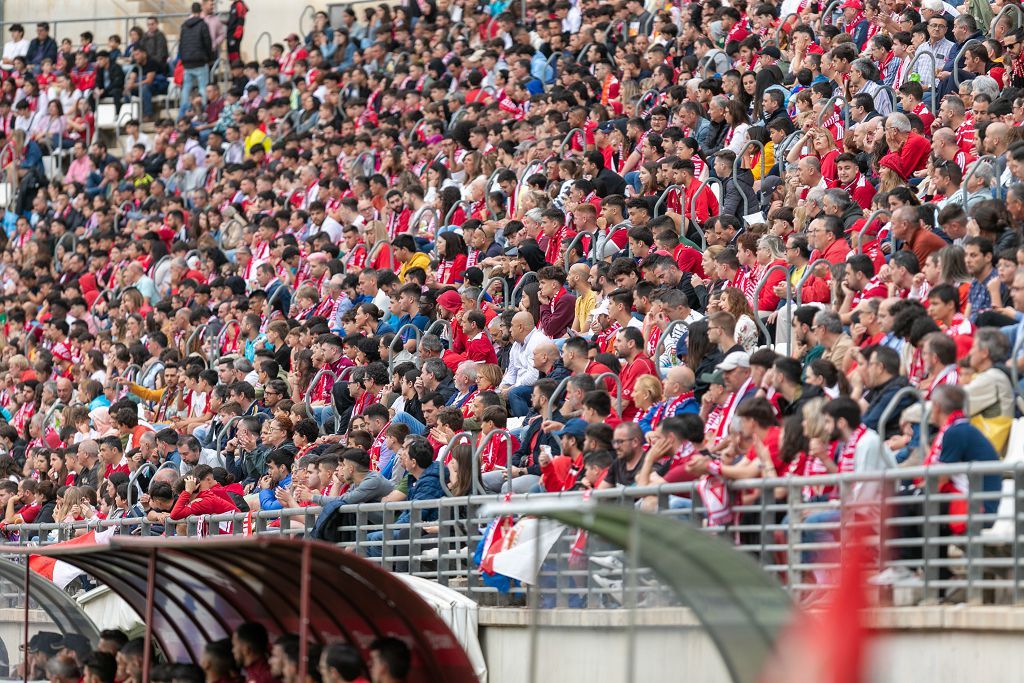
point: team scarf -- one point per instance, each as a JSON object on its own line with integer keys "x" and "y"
{"x": 730, "y": 409}
{"x": 606, "y": 338}
{"x": 554, "y": 300}
{"x": 669, "y": 408}
{"x": 845, "y": 459}
{"x": 652, "y": 341}
{"x": 715, "y": 494}
{"x": 948, "y": 375}
{"x": 376, "y": 446}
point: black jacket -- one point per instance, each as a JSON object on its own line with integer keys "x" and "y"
{"x": 613, "y": 183}
{"x": 115, "y": 74}
{"x": 195, "y": 48}
{"x": 742, "y": 184}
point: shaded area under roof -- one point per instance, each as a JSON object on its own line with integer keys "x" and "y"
{"x": 203, "y": 589}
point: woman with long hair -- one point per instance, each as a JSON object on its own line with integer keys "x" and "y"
{"x": 738, "y": 123}
{"x": 452, "y": 255}
{"x": 701, "y": 355}
{"x": 732, "y": 300}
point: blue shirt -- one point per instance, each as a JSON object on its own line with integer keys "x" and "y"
{"x": 268, "y": 501}
{"x": 979, "y": 297}
{"x": 426, "y": 487}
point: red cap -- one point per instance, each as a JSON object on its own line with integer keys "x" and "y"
{"x": 450, "y": 301}
{"x": 852, "y": 4}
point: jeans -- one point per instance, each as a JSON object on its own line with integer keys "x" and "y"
{"x": 416, "y": 427}
{"x": 519, "y": 400}
{"x": 633, "y": 179}
{"x": 819, "y": 535}
{"x": 157, "y": 87}
{"x": 323, "y": 414}
{"x": 198, "y": 76}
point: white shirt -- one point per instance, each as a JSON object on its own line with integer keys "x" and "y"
{"x": 15, "y": 49}
{"x": 520, "y": 361}
{"x": 333, "y": 228}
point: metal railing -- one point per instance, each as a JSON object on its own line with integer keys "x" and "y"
{"x": 664, "y": 197}
{"x": 486, "y": 287}
{"x": 121, "y": 24}
{"x": 694, "y": 223}
{"x": 808, "y": 272}
{"x": 322, "y": 372}
{"x": 659, "y": 350}
{"x": 789, "y": 305}
{"x": 792, "y": 526}
{"x": 867, "y": 224}
{"x": 934, "y": 63}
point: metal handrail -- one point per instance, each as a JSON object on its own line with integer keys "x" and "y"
{"x": 694, "y": 223}
{"x": 484, "y": 442}
{"x": 664, "y": 196}
{"x": 358, "y": 161}
{"x": 277, "y": 295}
{"x": 491, "y": 179}
{"x": 60, "y": 244}
{"x": 1017, "y": 11}
{"x": 783, "y": 149}
{"x": 461, "y": 436}
{"x": 659, "y": 350}
{"x": 398, "y": 338}
{"x": 346, "y": 262}
{"x": 709, "y": 59}
{"x": 199, "y": 332}
{"x": 528, "y": 276}
{"x": 555, "y": 56}
{"x": 568, "y": 137}
{"x": 1018, "y": 393}
{"x": 970, "y": 174}
{"x": 808, "y": 271}
{"x": 618, "y": 384}
{"x": 418, "y": 217}
{"x": 133, "y": 481}
{"x": 455, "y": 207}
{"x": 735, "y": 174}
{"x": 829, "y": 10}
{"x": 221, "y": 337}
{"x": 506, "y": 301}
{"x": 867, "y": 224}
{"x": 890, "y": 408}
{"x": 781, "y": 28}
{"x": 959, "y": 54}
{"x": 642, "y": 109}
{"x": 935, "y": 65}
{"x": 445, "y": 326}
{"x": 221, "y": 439}
{"x": 531, "y": 168}
{"x": 373, "y": 252}
{"x": 308, "y": 9}
{"x": 309, "y": 391}
{"x": 549, "y": 410}
{"x": 576, "y": 240}
{"x": 789, "y": 305}
{"x": 829, "y": 108}
{"x": 893, "y": 97}
{"x": 259, "y": 41}
{"x": 57, "y": 405}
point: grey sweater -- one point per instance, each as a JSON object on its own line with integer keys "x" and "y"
{"x": 370, "y": 490}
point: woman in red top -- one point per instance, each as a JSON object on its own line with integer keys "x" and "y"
{"x": 452, "y": 254}
{"x": 203, "y": 496}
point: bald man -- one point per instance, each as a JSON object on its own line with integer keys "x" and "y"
{"x": 522, "y": 374}
{"x": 548, "y": 361}
{"x": 677, "y": 388}
{"x": 578, "y": 281}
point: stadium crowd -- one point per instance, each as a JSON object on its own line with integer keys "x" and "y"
{"x": 735, "y": 231}
{"x": 248, "y": 655}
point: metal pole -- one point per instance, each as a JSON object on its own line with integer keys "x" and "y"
{"x": 757, "y": 296}
{"x": 664, "y": 196}
{"x": 28, "y": 595}
{"x": 307, "y": 554}
{"x": 147, "y": 655}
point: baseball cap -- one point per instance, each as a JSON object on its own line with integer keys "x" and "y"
{"x": 713, "y": 378}
{"x": 736, "y": 359}
{"x": 450, "y": 300}
{"x": 78, "y": 644}
{"x": 47, "y": 642}
{"x": 574, "y": 427}
{"x": 852, "y": 4}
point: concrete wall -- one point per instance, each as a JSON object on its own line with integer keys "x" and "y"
{"x": 956, "y": 643}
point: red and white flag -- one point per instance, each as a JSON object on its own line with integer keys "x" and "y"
{"x": 60, "y": 572}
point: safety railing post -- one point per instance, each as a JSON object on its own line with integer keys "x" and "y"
{"x": 485, "y": 441}
{"x": 323, "y": 372}
{"x": 222, "y": 438}
{"x": 455, "y": 207}
{"x": 221, "y": 338}
{"x": 527, "y": 277}
{"x": 398, "y": 339}
{"x": 618, "y": 387}
{"x": 1017, "y": 12}
{"x": 568, "y": 138}
{"x": 576, "y": 241}
{"x": 867, "y": 224}
{"x": 694, "y": 223}
{"x": 934, "y": 63}
{"x": 789, "y": 299}
{"x": 808, "y": 272}
{"x": 377, "y": 246}
{"x": 974, "y": 169}
{"x": 663, "y": 197}
{"x": 659, "y": 350}
{"x": 558, "y": 393}
{"x": 486, "y": 286}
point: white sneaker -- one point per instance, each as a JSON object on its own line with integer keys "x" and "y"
{"x": 609, "y": 562}
{"x": 892, "y": 576}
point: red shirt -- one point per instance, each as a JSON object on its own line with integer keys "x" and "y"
{"x": 205, "y": 503}
{"x": 631, "y": 372}
{"x": 480, "y": 349}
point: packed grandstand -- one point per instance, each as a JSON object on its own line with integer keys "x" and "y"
{"x": 438, "y": 249}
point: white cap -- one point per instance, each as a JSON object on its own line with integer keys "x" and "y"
{"x": 736, "y": 359}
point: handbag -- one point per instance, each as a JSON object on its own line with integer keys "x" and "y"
{"x": 996, "y": 429}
